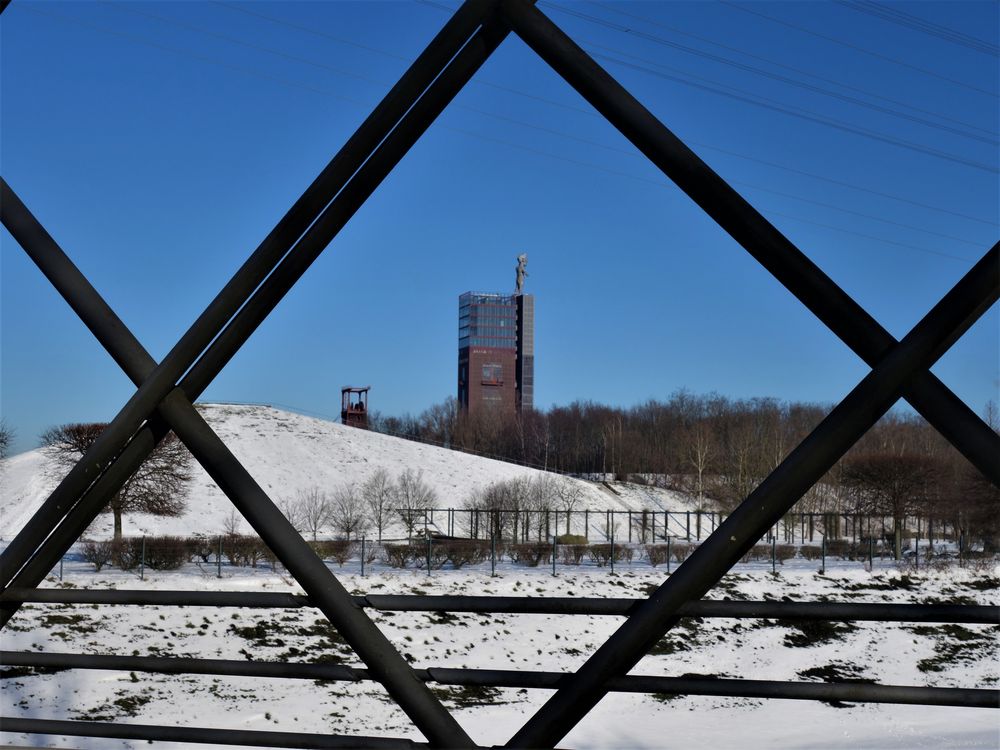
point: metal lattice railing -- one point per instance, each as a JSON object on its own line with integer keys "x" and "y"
{"x": 166, "y": 391}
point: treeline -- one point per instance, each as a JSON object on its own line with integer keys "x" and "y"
{"x": 719, "y": 449}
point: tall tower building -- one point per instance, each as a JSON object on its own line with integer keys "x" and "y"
{"x": 496, "y": 349}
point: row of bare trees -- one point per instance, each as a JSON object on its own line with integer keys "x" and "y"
{"x": 719, "y": 449}
{"x": 352, "y": 510}
{"x": 510, "y": 504}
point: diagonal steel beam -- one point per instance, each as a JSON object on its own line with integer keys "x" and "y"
{"x": 364, "y": 182}
{"x": 205, "y": 445}
{"x": 845, "y": 317}
{"x": 323, "y": 588}
{"x": 804, "y": 466}
{"x": 302, "y": 214}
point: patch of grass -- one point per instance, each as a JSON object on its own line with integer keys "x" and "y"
{"x": 11, "y": 673}
{"x": 954, "y": 644}
{"x": 807, "y": 633}
{"x": 468, "y": 696}
{"x": 835, "y": 672}
{"x": 78, "y": 623}
{"x": 668, "y": 645}
{"x": 983, "y": 584}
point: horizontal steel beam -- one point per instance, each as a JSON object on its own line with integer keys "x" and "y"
{"x": 525, "y": 605}
{"x": 152, "y": 733}
{"x": 844, "y": 691}
{"x": 833, "y": 691}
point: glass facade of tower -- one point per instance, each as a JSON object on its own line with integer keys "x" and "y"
{"x": 495, "y": 351}
{"x": 487, "y": 320}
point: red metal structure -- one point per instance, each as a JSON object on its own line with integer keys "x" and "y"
{"x": 354, "y": 406}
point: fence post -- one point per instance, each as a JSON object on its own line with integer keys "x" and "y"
{"x": 218, "y": 560}
{"x": 668, "y": 555}
{"x": 428, "y": 554}
{"x": 554, "y": 553}
{"x": 822, "y": 565}
{"x": 630, "y": 526}
{"x": 362, "y": 557}
{"x": 612, "y": 560}
{"x": 142, "y": 560}
{"x": 493, "y": 555}
{"x": 774, "y": 569}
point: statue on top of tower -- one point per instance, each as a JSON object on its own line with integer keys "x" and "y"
{"x": 522, "y": 263}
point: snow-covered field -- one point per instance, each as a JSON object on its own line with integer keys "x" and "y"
{"x": 888, "y": 653}
{"x": 287, "y": 453}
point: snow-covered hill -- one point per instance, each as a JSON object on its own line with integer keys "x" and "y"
{"x": 287, "y": 453}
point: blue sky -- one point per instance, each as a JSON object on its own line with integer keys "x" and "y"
{"x": 160, "y": 142}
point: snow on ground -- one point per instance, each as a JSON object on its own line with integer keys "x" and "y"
{"x": 286, "y": 453}
{"x": 888, "y": 653}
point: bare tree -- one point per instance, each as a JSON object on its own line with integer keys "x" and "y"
{"x": 231, "y": 524}
{"x": 157, "y": 485}
{"x": 412, "y": 497}
{"x": 293, "y": 512}
{"x": 347, "y": 511}
{"x": 6, "y": 438}
{"x": 378, "y": 494}
{"x": 568, "y": 493}
{"x": 313, "y": 510}
{"x": 895, "y": 485}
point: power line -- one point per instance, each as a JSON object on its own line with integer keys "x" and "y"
{"x": 804, "y": 114}
{"x": 660, "y": 183}
{"x": 613, "y": 9}
{"x": 665, "y": 184}
{"x": 773, "y": 76}
{"x": 857, "y": 48}
{"x": 901, "y": 18}
{"x": 591, "y": 113}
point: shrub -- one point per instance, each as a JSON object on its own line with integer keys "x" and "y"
{"x": 165, "y": 552}
{"x": 810, "y": 553}
{"x": 571, "y": 539}
{"x": 656, "y": 554}
{"x": 757, "y": 553}
{"x": 600, "y": 553}
{"x": 461, "y": 553}
{"x": 97, "y": 553}
{"x": 438, "y": 554}
{"x": 397, "y": 555}
{"x": 339, "y": 550}
{"x": 840, "y": 548}
{"x": 681, "y": 552}
{"x": 371, "y": 552}
{"x": 572, "y": 554}
{"x": 532, "y": 554}
{"x": 126, "y": 552}
{"x": 784, "y": 552}
{"x": 319, "y": 546}
{"x": 244, "y": 550}
{"x": 202, "y": 547}
{"x": 624, "y": 553}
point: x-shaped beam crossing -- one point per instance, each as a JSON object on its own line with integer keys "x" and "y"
{"x": 166, "y": 391}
